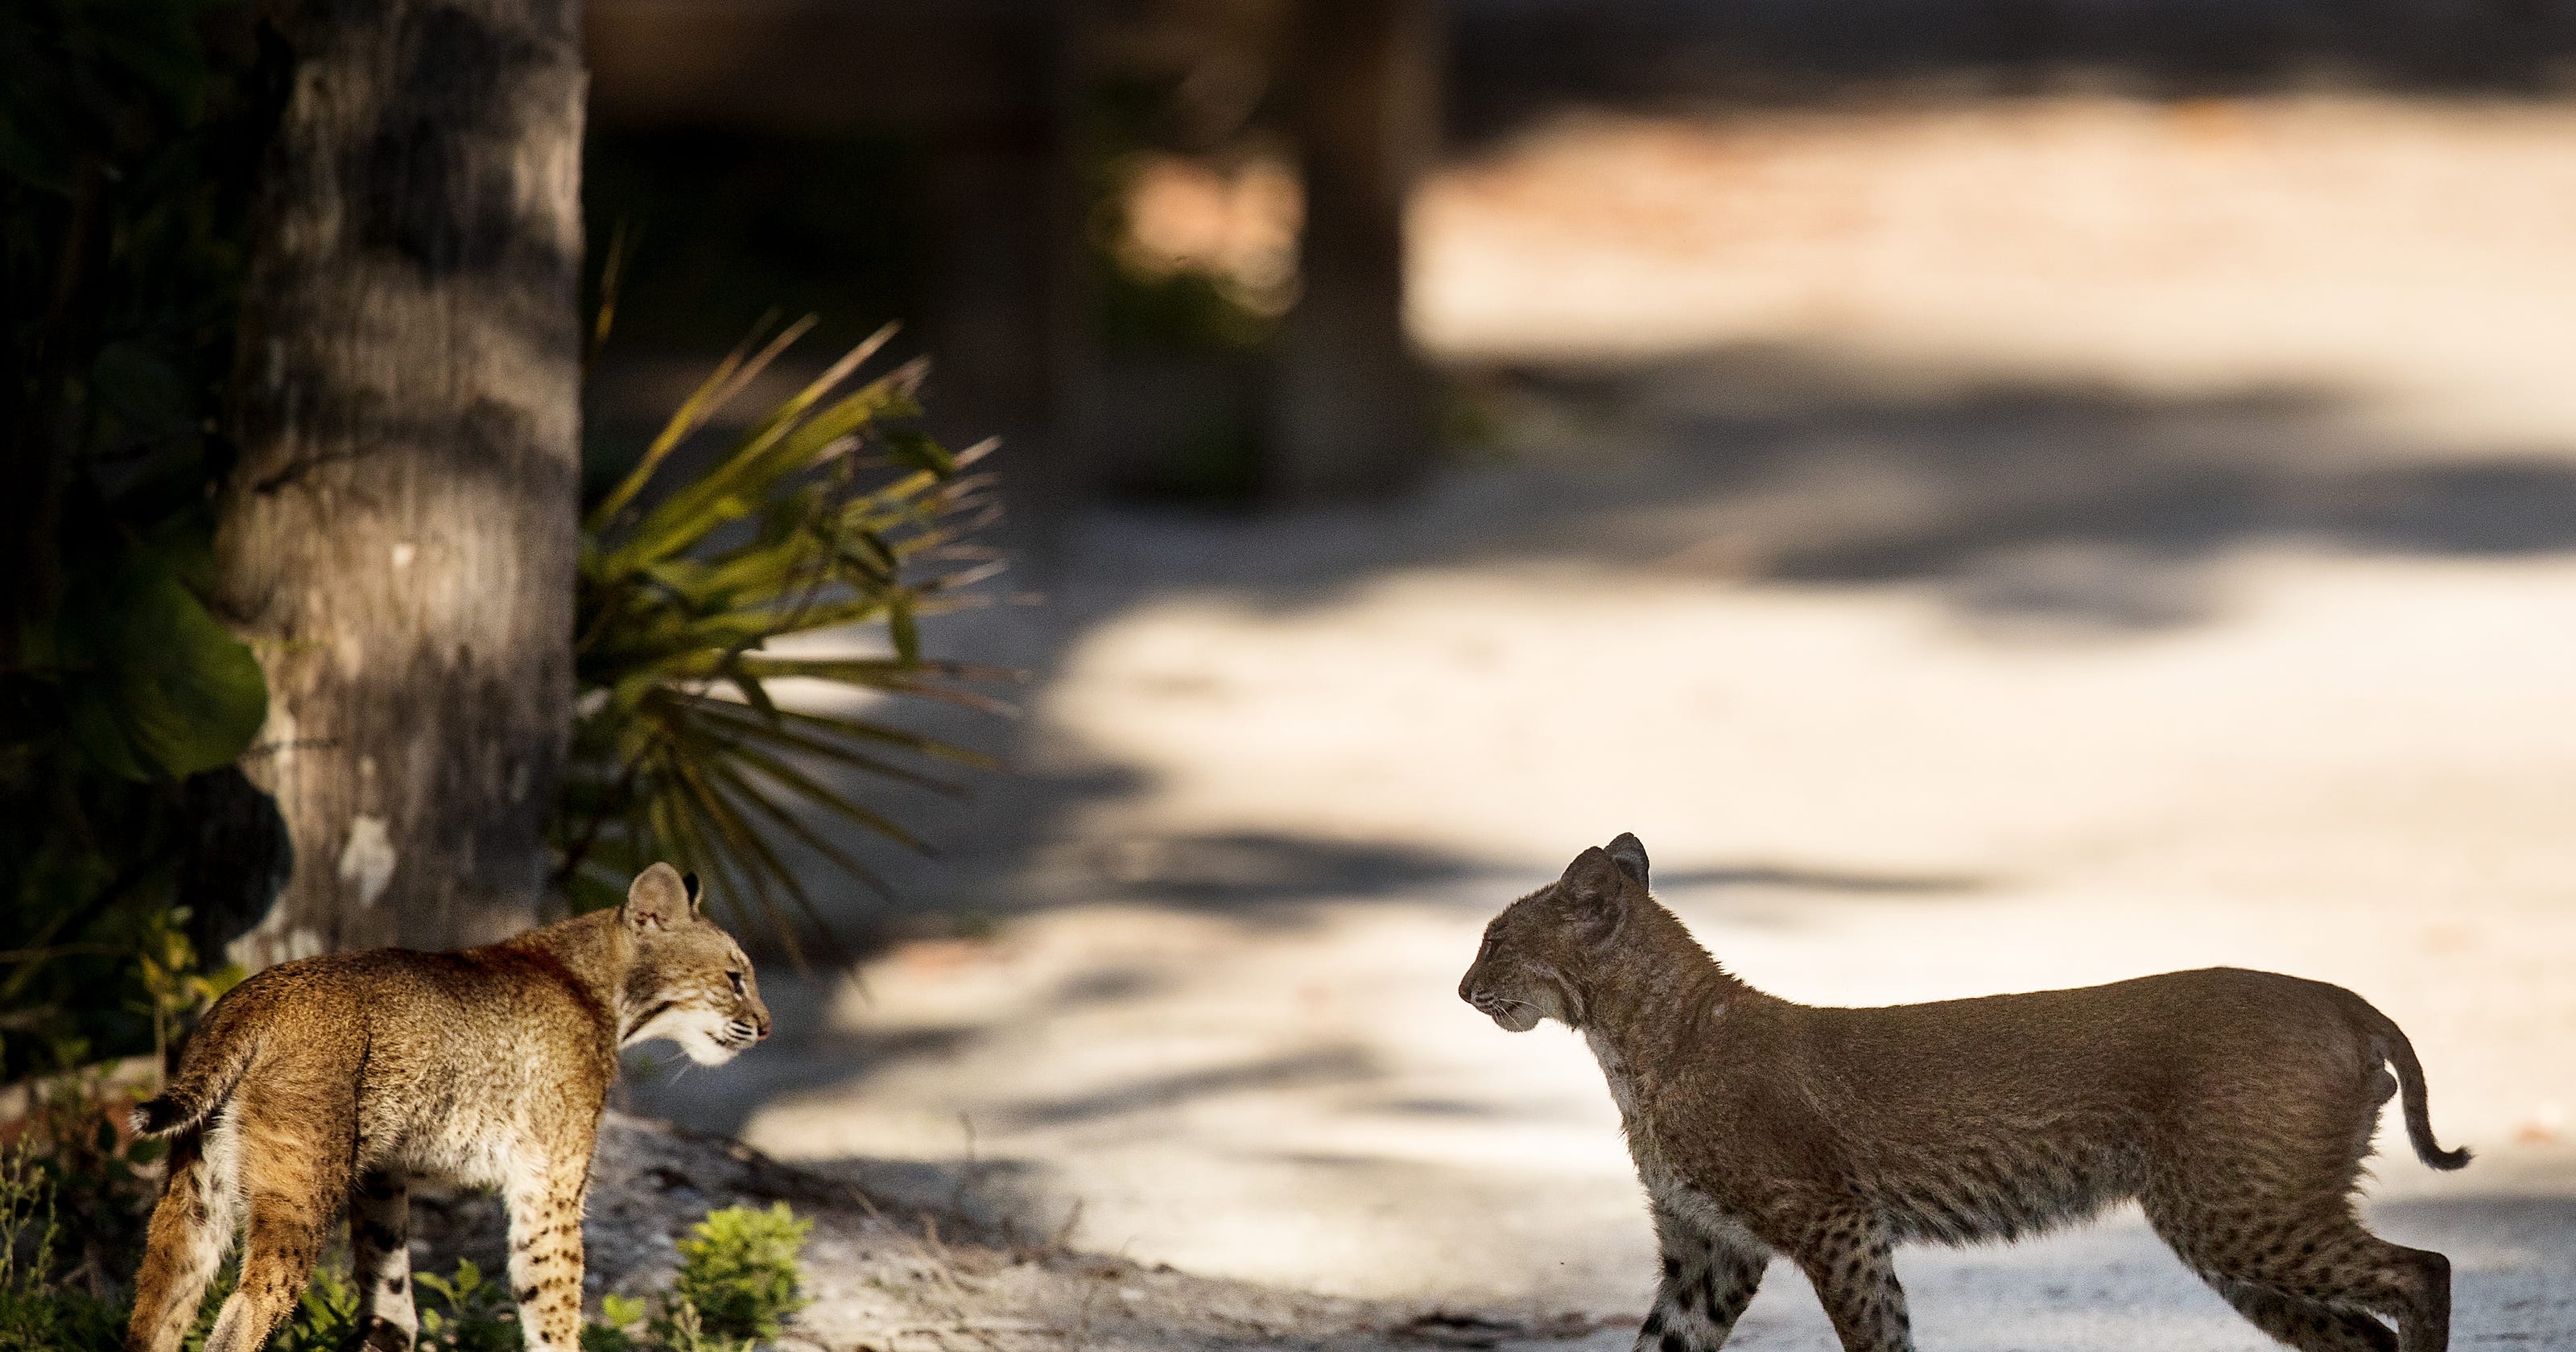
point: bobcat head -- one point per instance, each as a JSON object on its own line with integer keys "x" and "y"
{"x": 1544, "y": 953}
{"x": 689, "y": 982}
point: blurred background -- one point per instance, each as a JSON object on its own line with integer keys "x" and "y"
{"x": 1999, "y": 494}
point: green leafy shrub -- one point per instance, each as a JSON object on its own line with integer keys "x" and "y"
{"x": 39, "y": 1312}
{"x": 98, "y": 1181}
{"x": 615, "y": 1329}
{"x": 325, "y": 1317}
{"x": 739, "y": 1277}
{"x": 827, "y": 514}
{"x": 466, "y": 1312}
{"x": 129, "y": 133}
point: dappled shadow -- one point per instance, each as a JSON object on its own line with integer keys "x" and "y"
{"x": 1248, "y": 872}
{"x": 2082, "y": 505}
{"x": 1517, "y": 61}
{"x": 1817, "y": 880}
{"x": 817, "y": 1055}
{"x": 2058, "y": 511}
{"x": 2083, "y": 501}
{"x": 1323, "y": 1065}
{"x": 2070, "y": 511}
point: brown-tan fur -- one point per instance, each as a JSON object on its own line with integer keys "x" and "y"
{"x": 330, "y": 1082}
{"x": 2236, "y": 1107}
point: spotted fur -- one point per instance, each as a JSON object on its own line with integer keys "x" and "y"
{"x": 2236, "y": 1107}
{"x": 329, "y": 1083}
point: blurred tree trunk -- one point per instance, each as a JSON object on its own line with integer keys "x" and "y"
{"x": 1352, "y": 412}
{"x": 397, "y": 538}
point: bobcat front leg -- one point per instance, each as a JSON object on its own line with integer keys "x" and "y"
{"x": 545, "y": 1197}
{"x": 380, "y": 1243}
{"x": 1846, "y": 1256}
{"x": 1708, "y": 1280}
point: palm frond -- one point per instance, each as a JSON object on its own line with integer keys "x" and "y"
{"x": 828, "y": 515}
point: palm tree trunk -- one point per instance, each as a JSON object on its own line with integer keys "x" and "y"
{"x": 397, "y": 538}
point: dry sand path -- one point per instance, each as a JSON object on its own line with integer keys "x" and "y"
{"x": 1938, "y": 639}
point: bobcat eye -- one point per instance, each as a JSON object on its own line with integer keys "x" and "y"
{"x": 736, "y": 979}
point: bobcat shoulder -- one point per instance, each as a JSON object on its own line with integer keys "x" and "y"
{"x": 330, "y": 1082}
{"x": 2236, "y": 1107}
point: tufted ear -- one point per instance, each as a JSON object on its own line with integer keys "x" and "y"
{"x": 658, "y": 900}
{"x": 1629, "y": 853}
{"x": 1595, "y": 892}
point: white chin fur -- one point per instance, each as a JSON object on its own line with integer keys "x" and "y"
{"x": 705, "y": 1050}
{"x": 692, "y": 1031}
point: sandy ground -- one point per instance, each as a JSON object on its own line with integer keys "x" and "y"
{"x": 1977, "y": 551}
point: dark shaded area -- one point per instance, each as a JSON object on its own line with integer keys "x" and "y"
{"x": 1248, "y": 872}
{"x": 719, "y": 226}
{"x": 1518, "y": 59}
{"x": 1819, "y": 880}
{"x": 1345, "y": 1064}
{"x": 2085, "y": 503}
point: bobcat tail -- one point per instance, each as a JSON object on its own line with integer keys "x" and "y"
{"x": 2389, "y": 1041}
{"x": 216, "y": 1057}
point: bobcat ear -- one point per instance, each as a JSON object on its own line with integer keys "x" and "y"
{"x": 1596, "y": 889}
{"x": 697, "y": 900}
{"x": 1629, "y": 853}
{"x": 658, "y": 900}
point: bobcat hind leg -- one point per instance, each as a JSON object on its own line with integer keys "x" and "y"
{"x": 191, "y": 1229}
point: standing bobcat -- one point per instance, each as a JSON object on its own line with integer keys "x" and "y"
{"x": 334, "y": 1079}
{"x": 2235, "y": 1106}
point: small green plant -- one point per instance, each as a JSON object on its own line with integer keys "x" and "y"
{"x": 100, "y": 1182}
{"x": 467, "y": 1312}
{"x": 325, "y": 1317}
{"x": 686, "y": 1331}
{"x": 615, "y": 1329}
{"x": 739, "y": 1278}
{"x": 38, "y": 1311}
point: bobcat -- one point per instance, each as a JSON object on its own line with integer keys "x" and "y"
{"x": 2236, "y": 1106}
{"x": 334, "y": 1079}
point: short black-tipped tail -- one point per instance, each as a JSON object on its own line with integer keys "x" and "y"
{"x": 160, "y": 1116}
{"x": 217, "y": 1056}
{"x": 2391, "y": 1044}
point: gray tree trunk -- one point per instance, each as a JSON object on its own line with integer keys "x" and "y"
{"x": 397, "y": 539}
{"x": 1352, "y": 411}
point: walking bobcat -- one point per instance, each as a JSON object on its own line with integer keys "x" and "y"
{"x": 333, "y": 1079}
{"x": 2235, "y": 1106}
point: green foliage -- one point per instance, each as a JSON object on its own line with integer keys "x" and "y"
{"x": 828, "y": 514}
{"x": 58, "y": 1319}
{"x": 738, "y": 1278}
{"x": 686, "y": 1331}
{"x": 466, "y": 1312}
{"x": 38, "y": 1312}
{"x": 325, "y": 1318}
{"x": 99, "y": 1182}
{"x": 129, "y": 135}
{"x": 150, "y": 684}
{"x": 740, "y": 1275}
{"x": 620, "y": 1316}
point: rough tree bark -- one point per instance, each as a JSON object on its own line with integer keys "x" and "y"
{"x": 397, "y": 538}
